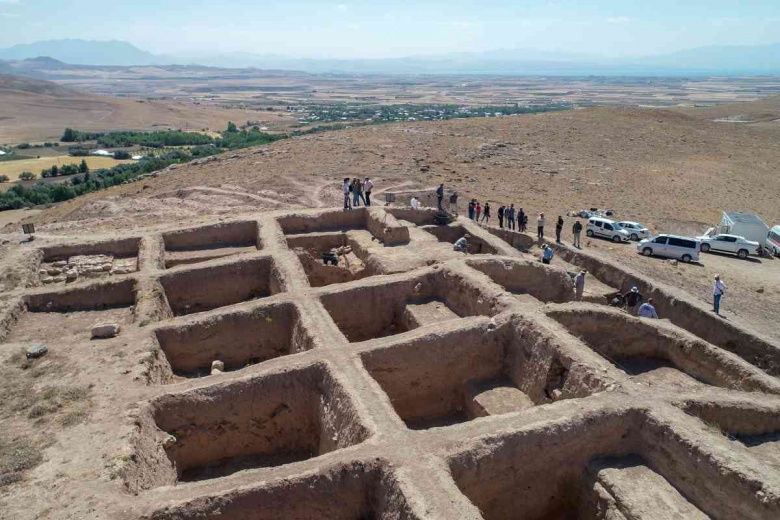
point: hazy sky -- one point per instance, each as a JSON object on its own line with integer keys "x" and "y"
{"x": 383, "y": 28}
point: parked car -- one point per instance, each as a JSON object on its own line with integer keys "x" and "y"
{"x": 730, "y": 244}
{"x": 635, "y": 230}
{"x": 773, "y": 240}
{"x": 741, "y": 224}
{"x": 671, "y": 246}
{"x": 605, "y": 228}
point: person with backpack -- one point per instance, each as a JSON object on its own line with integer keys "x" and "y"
{"x": 558, "y": 229}
{"x": 576, "y": 230}
{"x": 501, "y": 216}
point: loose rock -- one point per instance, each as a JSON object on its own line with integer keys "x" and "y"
{"x": 36, "y": 350}
{"x": 105, "y": 330}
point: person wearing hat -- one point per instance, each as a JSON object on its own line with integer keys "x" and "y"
{"x": 632, "y": 299}
{"x": 547, "y": 254}
{"x": 579, "y": 285}
{"x": 462, "y": 244}
{"x": 718, "y": 290}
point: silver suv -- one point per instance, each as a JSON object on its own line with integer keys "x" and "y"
{"x": 671, "y": 246}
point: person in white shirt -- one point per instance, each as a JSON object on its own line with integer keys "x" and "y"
{"x": 345, "y": 188}
{"x": 462, "y": 244}
{"x": 647, "y": 310}
{"x": 718, "y": 290}
{"x": 367, "y": 187}
{"x": 540, "y": 226}
{"x": 414, "y": 203}
{"x": 579, "y": 285}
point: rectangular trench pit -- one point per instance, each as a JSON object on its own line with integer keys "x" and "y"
{"x": 238, "y": 339}
{"x": 587, "y": 470}
{"x": 657, "y": 356}
{"x": 376, "y": 311}
{"x": 350, "y": 266}
{"x": 264, "y": 421}
{"x": 529, "y": 281}
{"x": 452, "y": 233}
{"x": 66, "y": 264}
{"x": 72, "y": 313}
{"x": 459, "y": 376}
{"x": 355, "y": 491}
{"x": 202, "y": 289}
{"x": 195, "y": 245}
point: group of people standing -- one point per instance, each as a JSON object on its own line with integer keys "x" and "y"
{"x": 507, "y": 216}
{"x": 477, "y": 211}
{"x": 355, "y": 191}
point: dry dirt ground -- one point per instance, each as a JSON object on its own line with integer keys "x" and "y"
{"x": 415, "y": 383}
{"x": 35, "y": 110}
{"x": 674, "y": 171}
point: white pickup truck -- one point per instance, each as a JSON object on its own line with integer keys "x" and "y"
{"x": 729, "y": 244}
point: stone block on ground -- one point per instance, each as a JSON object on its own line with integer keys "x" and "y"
{"x": 36, "y": 350}
{"x": 105, "y": 330}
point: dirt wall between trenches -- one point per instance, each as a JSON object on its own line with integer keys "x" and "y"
{"x": 323, "y": 221}
{"x": 736, "y": 418}
{"x": 127, "y": 247}
{"x": 93, "y": 297}
{"x": 683, "y": 311}
{"x": 515, "y": 239}
{"x": 616, "y": 335}
{"x": 386, "y": 228}
{"x": 225, "y": 234}
{"x": 419, "y": 217}
{"x": 519, "y": 276}
{"x": 236, "y": 339}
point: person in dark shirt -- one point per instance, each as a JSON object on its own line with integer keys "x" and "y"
{"x": 501, "y": 216}
{"x": 558, "y": 229}
{"x": 576, "y": 229}
{"x": 632, "y": 299}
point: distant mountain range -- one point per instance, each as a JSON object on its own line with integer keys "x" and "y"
{"x": 713, "y": 60}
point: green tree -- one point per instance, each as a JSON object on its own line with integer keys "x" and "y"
{"x": 121, "y": 154}
{"x": 55, "y": 171}
{"x": 27, "y": 176}
{"x": 83, "y": 167}
{"x": 4, "y": 178}
{"x": 232, "y": 128}
{"x": 68, "y": 136}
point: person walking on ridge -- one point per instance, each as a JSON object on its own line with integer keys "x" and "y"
{"x": 576, "y": 229}
{"x": 501, "y": 216}
{"x": 486, "y": 213}
{"x": 347, "y": 187}
{"x": 510, "y": 218}
{"x": 440, "y": 194}
{"x": 718, "y": 290}
{"x": 540, "y": 226}
{"x": 558, "y": 229}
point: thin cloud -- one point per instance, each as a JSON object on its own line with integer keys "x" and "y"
{"x": 339, "y": 7}
{"x": 10, "y": 15}
{"x": 619, "y": 20}
{"x": 10, "y": 2}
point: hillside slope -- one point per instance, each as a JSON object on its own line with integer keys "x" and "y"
{"x": 32, "y": 109}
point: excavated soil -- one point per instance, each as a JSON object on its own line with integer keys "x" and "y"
{"x": 249, "y": 380}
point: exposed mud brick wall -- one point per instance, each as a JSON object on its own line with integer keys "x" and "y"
{"x": 506, "y": 475}
{"x": 616, "y": 336}
{"x": 451, "y": 234}
{"x": 121, "y": 248}
{"x": 513, "y": 238}
{"x": 318, "y": 241}
{"x": 683, "y": 311}
{"x": 206, "y": 288}
{"x": 326, "y": 221}
{"x": 236, "y": 338}
{"x": 270, "y": 420}
{"x": 386, "y": 228}
{"x": 420, "y": 217}
{"x": 94, "y": 297}
{"x": 462, "y": 295}
{"x": 223, "y": 234}
{"x": 355, "y": 491}
{"x": 737, "y": 418}
{"x": 700, "y": 479}
{"x": 10, "y": 311}
{"x": 427, "y": 377}
{"x": 523, "y": 276}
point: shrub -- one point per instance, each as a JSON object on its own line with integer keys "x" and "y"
{"x": 121, "y": 155}
{"x": 27, "y": 176}
{"x": 4, "y": 178}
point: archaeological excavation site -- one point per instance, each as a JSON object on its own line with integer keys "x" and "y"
{"x": 351, "y": 365}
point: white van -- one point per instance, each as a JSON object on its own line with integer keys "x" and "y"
{"x": 605, "y": 228}
{"x": 773, "y": 240}
{"x": 671, "y": 246}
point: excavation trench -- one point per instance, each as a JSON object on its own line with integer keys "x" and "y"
{"x": 237, "y": 339}
{"x": 202, "y": 289}
{"x": 452, "y": 233}
{"x": 658, "y": 354}
{"x": 189, "y": 246}
{"x": 594, "y": 465}
{"x": 440, "y": 380}
{"x": 352, "y": 265}
{"x": 264, "y": 421}
{"x": 382, "y": 225}
{"x": 528, "y": 281}
{"x": 356, "y": 491}
{"x": 379, "y": 310}
{"x": 70, "y": 263}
